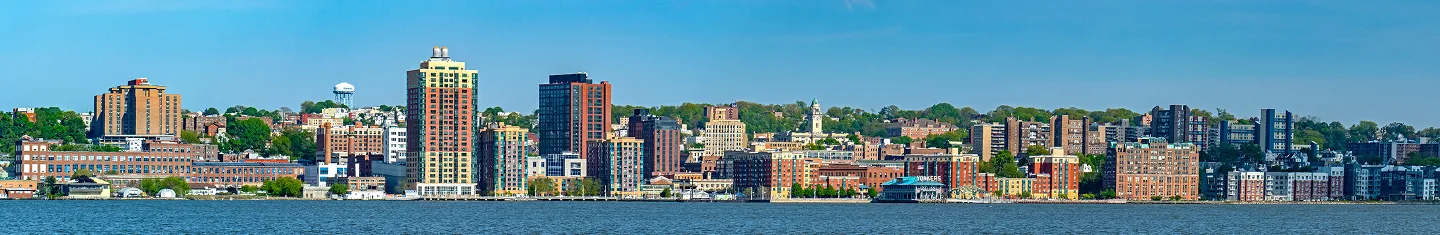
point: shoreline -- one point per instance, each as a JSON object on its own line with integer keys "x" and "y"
{"x": 783, "y": 201}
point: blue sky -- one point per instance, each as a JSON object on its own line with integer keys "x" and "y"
{"x": 1344, "y": 60}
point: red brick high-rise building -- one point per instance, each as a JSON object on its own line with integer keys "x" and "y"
{"x": 137, "y": 108}
{"x": 1152, "y": 167}
{"x": 573, "y": 112}
{"x": 663, "y": 142}
{"x": 440, "y": 126}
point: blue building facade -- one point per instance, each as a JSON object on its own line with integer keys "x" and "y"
{"x": 1275, "y": 132}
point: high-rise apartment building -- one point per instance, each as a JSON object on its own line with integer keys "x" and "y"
{"x": 1176, "y": 125}
{"x": 663, "y": 142}
{"x": 724, "y": 135}
{"x": 440, "y": 124}
{"x": 1236, "y": 133}
{"x": 1197, "y": 131}
{"x": 501, "y": 166}
{"x": 137, "y": 109}
{"x": 1169, "y": 123}
{"x": 574, "y": 110}
{"x": 1276, "y": 131}
{"x": 618, "y": 164}
{"x": 1070, "y": 132}
{"x": 1152, "y": 167}
{"x": 988, "y": 139}
{"x": 1022, "y": 134}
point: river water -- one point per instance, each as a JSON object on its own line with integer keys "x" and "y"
{"x": 429, "y": 217}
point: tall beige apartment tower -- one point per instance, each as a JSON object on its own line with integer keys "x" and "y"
{"x": 137, "y": 109}
{"x": 440, "y": 126}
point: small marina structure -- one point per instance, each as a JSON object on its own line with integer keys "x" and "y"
{"x": 130, "y": 193}
{"x": 911, "y": 189}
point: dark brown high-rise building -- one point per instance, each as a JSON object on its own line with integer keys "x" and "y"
{"x": 1021, "y": 134}
{"x": 662, "y": 142}
{"x": 573, "y": 112}
{"x": 1070, "y": 133}
{"x": 1170, "y": 123}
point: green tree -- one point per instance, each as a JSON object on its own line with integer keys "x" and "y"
{"x": 177, "y": 184}
{"x": 211, "y": 111}
{"x": 339, "y": 189}
{"x": 189, "y": 137}
{"x": 1156, "y": 198}
{"x": 1307, "y": 136}
{"x": 150, "y": 186}
{"x": 1224, "y": 115}
{"x": 854, "y": 138}
{"x": 301, "y": 144}
{"x": 1113, "y": 115}
{"x": 665, "y": 193}
{"x": 81, "y": 173}
{"x": 796, "y": 190}
{"x": 1175, "y": 198}
{"x": 249, "y": 189}
{"x": 309, "y": 107}
{"x": 1251, "y": 153}
{"x": 1364, "y": 131}
{"x": 1396, "y": 131}
{"x": 1036, "y": 150}
{"x": 592, "y": 187}
{"x": 1073, "y": 112}
{"x": 902, "y": 140}
{"x": 51, "y": 188}
{"x": 541, "y": 186}
{"x": 584, "y": 187}
{"x": 248, "y": 134}
{"x": 943, "y": 140}
{"x": 280, "y": 146}
{"x": 1107, "y": 194}
{"x": 1419, "y": 159}
{"x": 871, "y": 192}
{"x": 284, "y": 187}
{"x": 829, "y": 142}
{"x": 1429, "y": 132}
{"x": 1005, "y": 165}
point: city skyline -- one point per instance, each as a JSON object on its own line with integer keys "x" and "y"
{"x": 1314, "y": 60}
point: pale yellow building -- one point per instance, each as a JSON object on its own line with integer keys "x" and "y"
{"x": 724, "y": 135}
{"x": 503, "y": 168}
